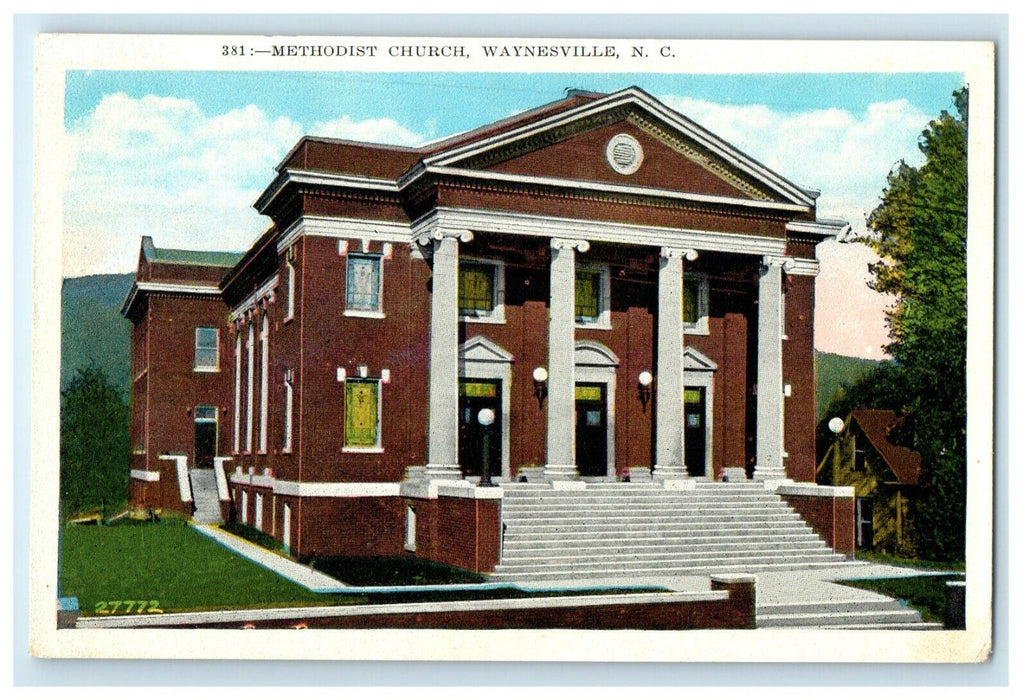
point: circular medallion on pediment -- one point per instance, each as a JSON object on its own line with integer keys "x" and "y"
{"x": 624, "y": 154}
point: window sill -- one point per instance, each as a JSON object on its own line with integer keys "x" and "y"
{"x": 495, "y": 320}
{"x": 287, "y": 320}
{"x": 594, "y": 325}
{"x": 363, "y": 450}
{"x": 206, "y": 370}
{"x": 696, "y": 330}
{"x": 356, "y": 313}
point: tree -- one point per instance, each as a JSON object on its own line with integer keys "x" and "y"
{"x": 920, "y": 232}
{"x": 94, "y": 443}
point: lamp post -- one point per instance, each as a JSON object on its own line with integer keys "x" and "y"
{"x": 539, "y": 384}
{"x": 485, "y": 418}
{"x": 644, "y": 390}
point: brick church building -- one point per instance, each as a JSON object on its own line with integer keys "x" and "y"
{"x": 593, "y": 292}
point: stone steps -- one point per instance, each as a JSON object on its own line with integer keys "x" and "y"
{"x": 205, "y": 496}
{"x": 853, "y": 614}
{"x": 612, "y": 529}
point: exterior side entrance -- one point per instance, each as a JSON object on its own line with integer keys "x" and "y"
{"x": 475, "y": 395}
{"x": 591, "y": 429}
{"x": 205, "y": 437}
{"x": 694, "y": 429}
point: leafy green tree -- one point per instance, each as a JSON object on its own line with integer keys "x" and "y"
{"x": 920, "y": 232}
{"x": 94, "y": 444}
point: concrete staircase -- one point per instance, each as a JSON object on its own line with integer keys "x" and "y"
{"x": 630, "y": 530}
{"x": 205, "y": 496}
{"x": 883, "y": 614}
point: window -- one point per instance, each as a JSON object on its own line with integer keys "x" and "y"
{"x": 205, "y": 356}
{"x": 262, "y": 440}
{"x": 287, "y": 428}
{"x": 694, "y": 303}
{"x": 239, "y": 384}
{"x": 291, "y": 288}
{"x": 859, "y": 456}
{"x": 361, "y": 409}
{"x": 480, "y": 290}
{"x": 364, "y": 284}
{"x": 592, "y": 291}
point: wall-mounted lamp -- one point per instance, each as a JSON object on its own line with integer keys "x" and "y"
{"x": 646, "y": 379}
{"x": 539, "y": 384}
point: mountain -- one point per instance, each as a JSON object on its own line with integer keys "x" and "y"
{"x": 93, "y": 329}
{"x": 834, "y": 372}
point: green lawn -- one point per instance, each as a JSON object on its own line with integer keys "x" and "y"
{"x": 167, "y": 562}
{"x": 928, "y": 594}
{"x": 883, "y": 558}
{"x": 172, "y": 564}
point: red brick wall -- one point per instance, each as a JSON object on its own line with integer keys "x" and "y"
{"x": 832, "y": 518}
{"x": 461, "y": 532}
{"x": 799, "y": 371}
{"x": 736, "y": 612}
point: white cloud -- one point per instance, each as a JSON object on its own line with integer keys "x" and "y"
{"x": 158, "y": 166}
{"x": 847, "y": 157}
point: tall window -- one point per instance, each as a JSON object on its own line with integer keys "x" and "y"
{"x": 592, "y": 290}
{"x": 250, "y": 388}
{"x": 694, "y": 303}
{"x": 262, "y": 440}
{"x": 205, "y": 354}
{"x": 239, "y": 386}
{"x": 480, "y": 290}
{"x": 364, "y": 283}
{"x": 361, "y": 409}
{"x": 287, "y": 428}
{"x": 291, "y": 288}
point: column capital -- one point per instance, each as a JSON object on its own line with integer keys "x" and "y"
{"x": 438, "y": 234}
{"x": 781, "y": 261}
{"x": 570, "y": 243}
{"x": 688, "y": 253}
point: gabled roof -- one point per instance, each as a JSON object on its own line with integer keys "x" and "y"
{"x": 877, "y": 424}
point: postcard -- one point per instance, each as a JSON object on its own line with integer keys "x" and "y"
{"x": 475, "y": 348}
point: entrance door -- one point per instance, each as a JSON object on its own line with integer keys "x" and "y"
{"x": 475, "y": 395}
{"x": 205, "y": 437}
{"x": 695, "y": 429}
{"x": 591, "y": 429}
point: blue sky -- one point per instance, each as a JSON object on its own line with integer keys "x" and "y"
{"x": 182, "y": 156}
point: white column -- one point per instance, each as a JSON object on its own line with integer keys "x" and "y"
{"x": 443, "y": 426}
{"x": 561, "y": 360}
{"x": 669, "y": 455}
{"x": 769, "y": 371}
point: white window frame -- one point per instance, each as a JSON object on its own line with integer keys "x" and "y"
{"x": 196, "y": 349}
{"x": 364, "y": 313}
{"x": 291, "y": 288}
{"x": 287, "y": 423}
{"x": 497, "y": 314}
{"x": 603, "y": 320}
{"x": 703, "y": 298}
{"x": 368, "y": 449}
{"x": 262, "y": 439}
{"x": 249, "y": 445}
{"x": 259, "y": 511}
{"x": 238, "y": 387}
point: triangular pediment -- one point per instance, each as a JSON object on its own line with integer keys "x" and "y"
{"x": 480, "y": 349}
{"x": 627, "y": 139}
{"x": 694, "y": 360}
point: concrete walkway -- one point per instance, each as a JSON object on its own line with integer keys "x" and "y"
{"x": 305, "y": 576}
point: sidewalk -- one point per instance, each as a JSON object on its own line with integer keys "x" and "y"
{"x": 307, "y": 577}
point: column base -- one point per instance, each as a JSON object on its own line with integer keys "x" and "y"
{"x": 560, "y": 472}
{"x": 770, "y": 474}
{"x": 661, "y": 473}
{"x": 443, "y": 472}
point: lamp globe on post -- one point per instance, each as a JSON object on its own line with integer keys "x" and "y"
{"x": 485, "y": 418}
{"x": 646, "y": 379}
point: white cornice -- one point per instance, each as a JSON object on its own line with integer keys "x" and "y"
{"x": 314, "y": 489}
{"x": 827, "y": 228}
{"x": 167, "y": 288}
{"x": 251, "y": 301}
{"x": 333, "y": 227}
{"x": 321, "y": 179}
{"x": 629, "y": 190}
{"x": 597, "y": 231}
